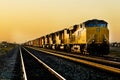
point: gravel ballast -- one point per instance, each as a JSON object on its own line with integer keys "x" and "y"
{"x": 11, "y": 67}
{"x": 74, "y": 71}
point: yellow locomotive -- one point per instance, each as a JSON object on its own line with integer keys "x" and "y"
{"x": 89, "y": 37}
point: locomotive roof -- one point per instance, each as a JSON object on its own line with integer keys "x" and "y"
{"x": 95, "y": 21}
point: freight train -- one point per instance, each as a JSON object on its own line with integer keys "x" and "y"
{"x": 89, "y": 37}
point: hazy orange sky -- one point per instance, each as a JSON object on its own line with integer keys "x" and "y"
{"x": 23, "y": 20}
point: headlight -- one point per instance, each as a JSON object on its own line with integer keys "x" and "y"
{"x": 93, "y": 40}
{"x": 105, "y": 40}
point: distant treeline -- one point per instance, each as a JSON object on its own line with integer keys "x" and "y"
{"x": 6, "y": 44}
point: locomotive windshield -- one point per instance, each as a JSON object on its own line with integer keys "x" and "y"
{"x": 95, "y": 23}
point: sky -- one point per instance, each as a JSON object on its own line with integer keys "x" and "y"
{"x": 23, "y": 20}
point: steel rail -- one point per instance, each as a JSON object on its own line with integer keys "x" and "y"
{"x": 46, "y": 66}
{"x": 23, "y": 66}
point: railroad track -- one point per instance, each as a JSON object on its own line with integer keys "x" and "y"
{"x": 104, "y": 57}
{"x": 107, "y": 65}
{"x": 34, "y": 69}
{"x": 102, "y": 60}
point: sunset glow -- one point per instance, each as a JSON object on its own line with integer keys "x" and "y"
{"x": 23, "y": 20}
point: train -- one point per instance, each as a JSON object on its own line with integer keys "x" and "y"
{"x": 89, "y": 37}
